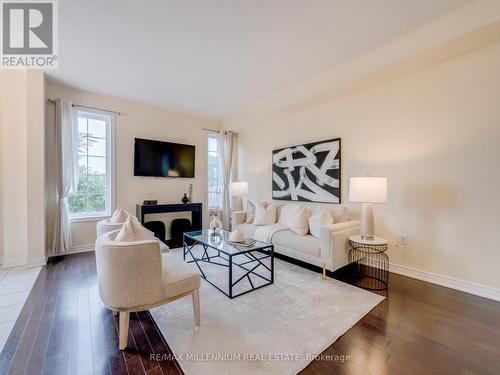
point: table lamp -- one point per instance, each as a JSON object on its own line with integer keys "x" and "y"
{"x": 238, "y": 190}
{"x": 368, "y": 190}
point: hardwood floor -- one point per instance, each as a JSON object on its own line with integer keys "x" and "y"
{"x": 419, "y": 329}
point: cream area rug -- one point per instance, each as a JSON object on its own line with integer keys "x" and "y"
{"x": 278, "y": 329}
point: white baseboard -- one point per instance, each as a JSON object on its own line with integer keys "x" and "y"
{"x": 42, "y": 261}
{"x": 449, "y": 282}
{"x": 76, "y": 250}
{"x": 14, "y": 262}
{"x": 23, "y": 262}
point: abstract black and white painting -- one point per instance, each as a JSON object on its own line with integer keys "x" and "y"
{"x": 309, "y": 172}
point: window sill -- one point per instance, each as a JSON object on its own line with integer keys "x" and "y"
{"x": 83, "y": 219}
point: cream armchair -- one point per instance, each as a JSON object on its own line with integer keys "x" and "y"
{"x": 136, "y": 276}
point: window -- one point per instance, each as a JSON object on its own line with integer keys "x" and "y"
{"x": 214, "y": 178}
{"x": 93, "y": 197}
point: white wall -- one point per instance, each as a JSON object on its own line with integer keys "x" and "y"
{"x": 22, "y": 167}
{"x": 435, "y": 134}
{"x": 142, "y": 121}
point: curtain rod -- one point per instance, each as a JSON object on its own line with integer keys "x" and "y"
{"x": 217, "y": 130}
{"x": 52, "y": 101}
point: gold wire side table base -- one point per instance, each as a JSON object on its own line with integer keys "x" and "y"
{"x": 372, "y": 263}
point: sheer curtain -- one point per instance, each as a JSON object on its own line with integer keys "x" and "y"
{"x": 67, "y": 171}
{"x": 226, "y": 140}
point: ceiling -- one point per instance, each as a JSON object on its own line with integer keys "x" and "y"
{"x": 218, "y": 57}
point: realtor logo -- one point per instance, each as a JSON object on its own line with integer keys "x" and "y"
{"x": 29, "y": 34}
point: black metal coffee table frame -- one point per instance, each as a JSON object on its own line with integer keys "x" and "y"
{"x": 268, "y": 252}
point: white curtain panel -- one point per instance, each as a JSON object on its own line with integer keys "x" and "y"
{"x": 67, "y": 171}
{"x": 226, "y": 139}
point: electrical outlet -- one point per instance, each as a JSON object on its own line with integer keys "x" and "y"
{"x": 403, "y": 239}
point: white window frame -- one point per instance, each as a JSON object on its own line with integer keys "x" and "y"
{"x": 209, "y": 135}
{"x": 110, "y": 165}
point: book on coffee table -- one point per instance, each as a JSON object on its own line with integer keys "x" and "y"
{"x": 247, "y": 243}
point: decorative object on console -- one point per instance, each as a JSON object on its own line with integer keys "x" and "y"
{"x": 215, "y": 224}
{"x": 151, "y": 200}
{"x": 368, "y": 190}
{"x": 239, "y": 189}
{"x": 309, "y": 172}
{"x": 190, "y": 193}
{"x": 185, "y": 199}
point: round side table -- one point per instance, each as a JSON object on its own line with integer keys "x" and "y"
{"x": 372, "y": 263}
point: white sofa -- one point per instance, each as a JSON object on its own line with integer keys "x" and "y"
{"x": 331, "y": 249}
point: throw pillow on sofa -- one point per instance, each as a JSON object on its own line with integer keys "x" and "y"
{"x": 299, "y": 221}
{"x": 287, "y": 213}
{"x": 265, "y": 214}
{"x": 250, "y": 212}
{"x": 316, "y": 221}
{"x": 132, "y": 231}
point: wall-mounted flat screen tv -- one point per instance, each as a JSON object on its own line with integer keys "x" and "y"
{"x": 163, "y": 159}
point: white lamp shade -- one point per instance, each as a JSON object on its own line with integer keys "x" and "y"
{"x": 239, "y": 188}
{"x": 368, "y": 189}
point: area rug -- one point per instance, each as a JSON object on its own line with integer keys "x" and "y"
{"x": 278, "y": 329}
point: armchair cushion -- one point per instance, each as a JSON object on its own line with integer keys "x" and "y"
{"x": 132, "y": 230}
{"x": 178, "y": 276}
{"x": 119, "y": 216}
{"x": 105, "y": 226}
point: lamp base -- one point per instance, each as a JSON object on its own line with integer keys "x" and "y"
{"x": 367, "y": 222}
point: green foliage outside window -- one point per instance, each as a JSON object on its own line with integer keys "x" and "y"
{"x": 91, "y": 192}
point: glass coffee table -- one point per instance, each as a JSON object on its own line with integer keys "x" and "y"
{"x": 245, "y": 269}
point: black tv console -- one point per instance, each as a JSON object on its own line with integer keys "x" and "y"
{"x": 196, "y": 210}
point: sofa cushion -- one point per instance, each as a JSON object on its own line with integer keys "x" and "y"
{"x": 299, "y": 222}
{"x": 287, "y": 212}
{"x": 250, "y": 213}
{"x": 306, "y": 244}
{"x": 316, "y": 221}
{"x": 248, "y": 230}
{"x": 265, "y": 214}
{"x": 340, "y": 215}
